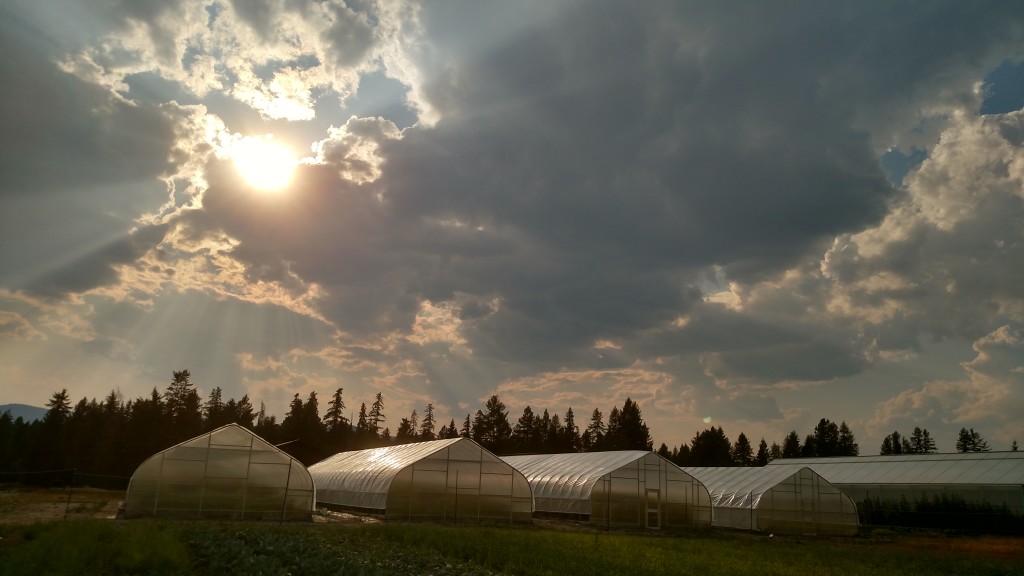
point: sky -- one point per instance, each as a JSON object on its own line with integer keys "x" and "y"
{"x": 741, "y": 214}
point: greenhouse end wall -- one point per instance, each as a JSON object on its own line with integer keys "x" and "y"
{"x": 805, "y": 503}
{"x": 461, "y": 483}
{"x": 616, "y": 489}
{"x": 229, "y": 473}
{"x": 652, "y": 493}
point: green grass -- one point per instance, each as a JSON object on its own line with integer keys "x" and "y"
{"x": 92, "y": 547}
{"x": 225, "y": 549}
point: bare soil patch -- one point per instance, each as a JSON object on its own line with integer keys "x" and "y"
{"x": 26, "y": 504}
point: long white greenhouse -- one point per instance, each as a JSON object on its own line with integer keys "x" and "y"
{"x": 454, "y": 480}
{"x": 622, "y": 489}
{"x": 785, "y": 500}
{"x": 994, "y": 478}
{"x": 229, "y": 473}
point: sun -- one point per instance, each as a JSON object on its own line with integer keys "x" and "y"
{"x": 263, "y": 163}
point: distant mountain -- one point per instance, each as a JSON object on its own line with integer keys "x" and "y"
{"x": 27, "y": 413}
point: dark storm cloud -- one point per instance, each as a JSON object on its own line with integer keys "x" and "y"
{"x": 588, "y": 166}
{"x": 75, "y": 161}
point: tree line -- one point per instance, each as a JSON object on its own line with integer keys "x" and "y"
{"x": 113, "y": 436}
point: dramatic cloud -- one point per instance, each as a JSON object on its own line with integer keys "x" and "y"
{"x": 754, "y": 216}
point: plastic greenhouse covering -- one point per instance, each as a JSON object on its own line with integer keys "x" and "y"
{"x": 453, "y": 480}
{"x": 630, "y": 488}
{"x": 229, "y": 473}
{"x": 995, "y": 478}
{"x": 787, "y": 500}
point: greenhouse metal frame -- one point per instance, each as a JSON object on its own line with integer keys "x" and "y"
{"x": 618, "y": 489}
{"x": 453, "y": 480}
{"x": 229, "y": 473}
{"x": 993, "y": 478}
{"x": 787, "y": 500}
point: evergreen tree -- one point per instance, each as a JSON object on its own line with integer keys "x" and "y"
{"x": 593, "y": 436}
{"x": 711, "y": 447}
{"x": 921, "y": 442}
{"x": 683, "y": 456}
{"x": 791, "y": 445}
{"x": 58, "y": 409}
{"x": 894, "y": 444}
{"x": 492, "y": 429}
{"x": 183, "y": 407}
{"x": 763, "y": 456}
{"x": 406, "y": 432}
{"x": 427, "y": 426}
{"x": 826, "y": 438}
{"x": 971, "y": 441}
{"x": 291, "y": 426}
{"x": 742, "y": 453}
{"x": 627, "y": 430}
{"x": 525, "y": 435}
{"x": 364, "y": 436}
{"x": 215, "y": 411}
{"x": 376, "y": 415}
{"x": 466, "y": 428}
{"x": 664, "y": 452}
{"x": 335, "y": 415}
{"x": 847, "y": 445}
{"x": 571, "y": 440}
{"x": 808, "y": 449}
{"x": 243, "y": 413}
{"x": 775, "y": 452}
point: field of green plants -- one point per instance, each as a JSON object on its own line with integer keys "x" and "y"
{"x": 196, "y": 548}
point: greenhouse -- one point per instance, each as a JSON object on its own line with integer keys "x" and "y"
{"x": 622, "y": 489}
{"x": 454, "y": 480}
{"x": 979, "y": 478}
{"x": 229, "y": 473}
{"x": 783, "y": 499}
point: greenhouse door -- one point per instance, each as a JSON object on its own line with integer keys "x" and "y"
{"x": 653, "y": 510}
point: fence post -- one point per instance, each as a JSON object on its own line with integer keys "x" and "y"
{"x": 71, "y": 488}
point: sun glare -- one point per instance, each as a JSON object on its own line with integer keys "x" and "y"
{"x": 263, "y": 163}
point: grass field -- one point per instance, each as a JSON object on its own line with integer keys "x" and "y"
{"x": 103, "y": 546}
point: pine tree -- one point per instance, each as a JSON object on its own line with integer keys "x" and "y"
{"x": 894, "y": 444}
{"x": 58, "y": 409}
{"x": 920, "y": 442}
{"x": 363, "y": 423}
{"x": 808, "y": 449}
{"x": 376, "y": 415}
{"x": 971, "y": 441}
{"x": 183, "y": 407}
{"x": 775, "y": 452}
{"x": 572, "y": 442}
{"x": 593, "y": 436}
{"x": 335, "y": 415}
{"x": 215, "y": 412}
{"x": 742, "y": 453}
{"x": 791, "y": 445}
{"x": 466, "y": 428}
{"x": 492, "y": 429}
{"x": 627, "y": 430}
{"x": 711, "y": 447}
{"x": 847, "y": 444}
{"x": 406, "y": 433}
{"x": 826, "y": 438}
{"x": 763, "y": 456}
{"x": 427, "y": 426}
{"x": 525, "y": 438}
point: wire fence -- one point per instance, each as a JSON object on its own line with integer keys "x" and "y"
{"x": 65, "y": 493}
